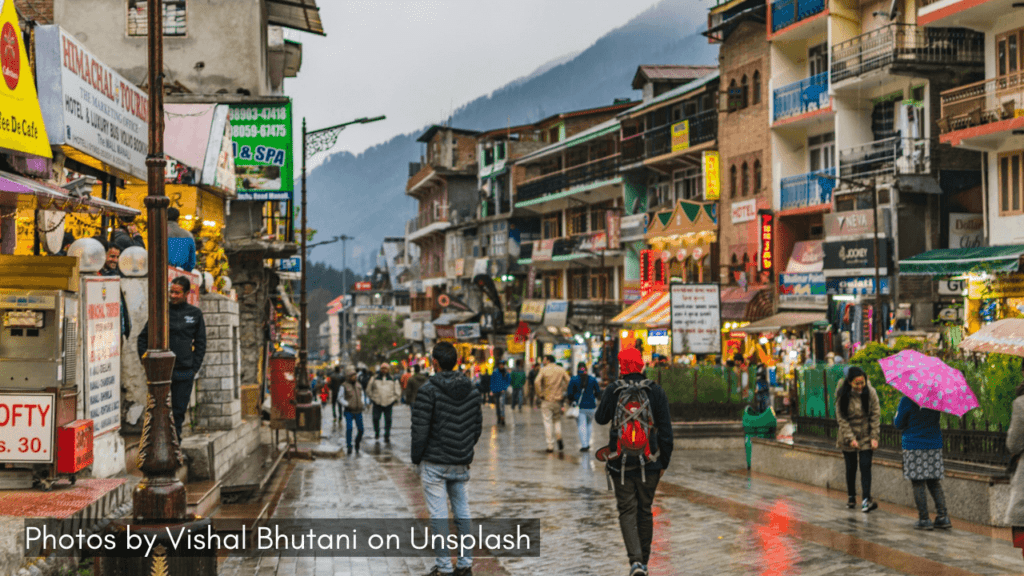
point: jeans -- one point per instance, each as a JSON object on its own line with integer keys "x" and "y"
{"x": 921, "y": 498}
{"x": 386, "y": 411}
{"x": 517, "y": 398}
{"x": 499, "y": 404}
{"x": 442, "y": 483}
{"x": 863, "y": 457}
{"x": 181, "y": 393}
{"x": 358, "y": 418}
{"x": 585, "y": 425}
{"x": 335, "y": 401}
{"x": 551, "y": 412}
{"x": 634, "y": 498}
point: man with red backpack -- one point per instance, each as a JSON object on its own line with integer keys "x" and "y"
{"x": 638, "y": 452}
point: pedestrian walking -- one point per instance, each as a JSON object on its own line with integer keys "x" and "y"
{"x": 404, "y": 380}
{"x": 501, "y": 379}
{"x": 859, "y": 415}
{"x": 417, "y": 380}
{"x": 1015, "y": 444}
{"x": 531, "y": 387}
{"x": 584, "y": 392}
{"x": 517, "y": 384}
{"x": 384, "y": 392}
{"x": 636, "y": 408}
{"x": 550, "y": 385}
{"x": 446, "y": 424}
{"x": 187, "y": 332}
{"x": 352, "y": 401}
{"x": 922, "y": 460}
{"x": 334, "y": 383}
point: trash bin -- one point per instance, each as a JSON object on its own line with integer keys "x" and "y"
{"x": 761, "y": 425}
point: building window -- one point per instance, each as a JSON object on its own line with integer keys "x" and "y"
{"x": 732, "y": 181}
{"x": 821, "y": 150}
{"x": 744, "y": 89}
{"x": 735, "y": 95}
{"x": 757, "y": 87}
{"x": 746, "y": 180}
{"x": 757, "y": 176}
{"x": 174, "y": 17}
{"x": 689, "y": 184}
{"x": 551, "y": 228}
{"x": 1008, "y": 52}
{"x": 553, "y": 285}
{"x": 1010, "y": 185}
{"x": 578, "y": 221}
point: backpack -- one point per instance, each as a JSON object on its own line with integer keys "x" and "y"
{"x": 634, "y": 422}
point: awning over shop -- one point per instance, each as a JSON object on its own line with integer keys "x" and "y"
{"x": 957, "y": 261}
{"x": 783, "y": 320}
{"x": 686, "y": 218}
{"x": 28, "y": 194}
{"x": 199, "y": 136}
{"x": 1002, "y": 336}
{"x": 747, "y": 305}
{"x": 652, "y": 311}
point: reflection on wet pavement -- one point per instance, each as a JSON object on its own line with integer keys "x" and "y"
{"x": 709, "y": 518}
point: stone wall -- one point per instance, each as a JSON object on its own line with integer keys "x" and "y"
{"x": 252, "y": 283}
{"x": 218, "y": 403}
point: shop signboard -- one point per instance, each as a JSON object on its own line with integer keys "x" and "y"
{"x": 556, "y": 312}
{"x": 633, "y": 227}
{"x": 612, "y": 220}
{"x": 631, "y": 291}
{"x": 744, "y": 211}
{"x": 445, "y": 333}
{"x": 807, "y": 256}
{"x": 594, "y": 242}
{"x": 362, "y": 286}
{"x": 334, "y": 331}
{"x": 293, "y": 264}
{"x": 262, "y": 135}
{"x": 855, "y": 257}
{"x": 102, "y": 351}
{"x": 951, "y": 287}
{"x": 952, "y": 312}
{"x": 412, "y": 330}
{"x": 696, "y": 318}
{"x": 22, "y": 129}
{"x": 1002, "y": 286}
{"x": 855, "y": 285}
{"x": 26, "y": 426}
{"x": 532, "y": 311}
{"x": 966, "y": 230}
{"x": 766, "y": 245}
{"x": 420, "y": 316}
{"x": 467, "y": 331}
{"x": 94, "y": 114}
{"x": 855, "y": 223}
{"x": 542, "y": 250}
{"x": 680, "y": 136}
{"x": 429, "y": 331}
{"x": 657, "y": 337}
{"x": 712, "y": 181}
{"x": 802, "y": 290}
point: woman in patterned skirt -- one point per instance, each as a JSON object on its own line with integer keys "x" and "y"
{"x": 922, "y": 460}
{"x": 1015, "y": 443}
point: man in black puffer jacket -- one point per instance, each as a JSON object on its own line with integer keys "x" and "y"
{"x": 446, "y": 424}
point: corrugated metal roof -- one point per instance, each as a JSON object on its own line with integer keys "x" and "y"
{"x": 669, "y": 72}
{"x": 601, "y": 129}
{"x": 671, "y": 94}
{"x": 295, "y": 14}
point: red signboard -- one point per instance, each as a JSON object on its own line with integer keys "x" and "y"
{"x": 74, "y": 446}
{"x": 766, "y": 247}
{"x": 362, "y": 286}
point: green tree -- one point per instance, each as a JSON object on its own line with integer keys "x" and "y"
{"x": 382, "y": 335}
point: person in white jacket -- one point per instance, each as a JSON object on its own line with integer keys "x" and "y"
{"x": 384, "y": 391}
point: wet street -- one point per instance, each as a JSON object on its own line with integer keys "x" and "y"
{"x": 710, "y": 516}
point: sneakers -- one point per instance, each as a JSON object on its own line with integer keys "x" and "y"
{"x": 868, "y": 505}
{"x": 463, "y": 571}
{"x": 943, "y": 523}
{"x": 561, "y": 445}
{"x": 585, "y": 449}
{"x": 924, "y": 524}
{"x": 637, "y": 569}
{"x": 437, "y": 572}
{"x": 852, "y": 502}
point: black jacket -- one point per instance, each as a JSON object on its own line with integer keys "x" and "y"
{"x": 123, "y": 240}
{"x": 446, "y": 420}
{"x": 188, "y": 338}
{"x": 662, "y": 420}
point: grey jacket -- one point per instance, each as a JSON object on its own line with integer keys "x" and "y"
{"x": 861, "y": 423}
{"x": 1015, "y": 443}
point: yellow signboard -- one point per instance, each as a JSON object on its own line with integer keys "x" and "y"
{"x": 21, "y": 123}
{"x": 1008, "y": 286}
{"x": 712, "y": 180}
{"x": 680, "y": 135}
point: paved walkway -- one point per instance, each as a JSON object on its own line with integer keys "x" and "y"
{"x": 711, "y": 517}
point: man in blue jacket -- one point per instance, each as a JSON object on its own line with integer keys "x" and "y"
{"x": 181, "y": 247}
{"x": 446, "y": 424}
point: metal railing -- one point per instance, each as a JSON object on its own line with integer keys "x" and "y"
{"x": 894, "y": 155}
{"x": 801, "y": 97}
{"x": 604, "y": 168}
{"x": 805, "y": 190}
{"x": 982, "y": 102}
{"x": 703, "y": 127}
{"x": 435, "y": 213}
{"x": 788, "y": 12}
{"x": 960, "y": 444}
{"x": 906, "y": 44}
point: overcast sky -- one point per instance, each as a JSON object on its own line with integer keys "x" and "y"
{"x": 418, "y": 60}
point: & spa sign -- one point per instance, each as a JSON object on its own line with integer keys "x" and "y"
{"x": 264, "y": 163}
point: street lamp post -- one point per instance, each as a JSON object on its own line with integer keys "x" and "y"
{"x": 312, "y": 143}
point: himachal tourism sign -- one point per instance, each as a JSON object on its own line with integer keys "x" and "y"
{"x": 21, "y": 123}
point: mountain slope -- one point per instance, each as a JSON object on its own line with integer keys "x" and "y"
{"x": 364, "y": 195}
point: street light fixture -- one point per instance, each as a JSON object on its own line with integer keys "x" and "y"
{"x": 312, "y": 143}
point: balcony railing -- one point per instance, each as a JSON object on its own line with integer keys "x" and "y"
{"x": 894, "y": 155}
{"x": 703, "y": 127}
{"x": 805, "y": 190}
{"x": 801, "y": 97}
{"x": 600, "y": 169}
{"x": 788, "y": 12}
{"x": 982, "y": 102}
{"x": 435, "y": 213}
{"x": 908, "y": 45}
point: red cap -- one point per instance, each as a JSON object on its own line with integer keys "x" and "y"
{"x": 630, "y": 361}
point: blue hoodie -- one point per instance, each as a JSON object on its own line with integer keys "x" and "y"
{"x": 920, "y": 426}
{"x": 181, "y": 247}
{"x": 586, "y": 394}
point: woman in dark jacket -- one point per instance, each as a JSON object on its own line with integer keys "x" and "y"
{"x": 859, "y": 416}
{"x": 922, "y": 460}
{"x": 584, "y": 391}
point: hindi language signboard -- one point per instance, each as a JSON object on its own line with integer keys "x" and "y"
{"x": 696, "y": 318}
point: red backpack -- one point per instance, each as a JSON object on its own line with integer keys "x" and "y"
{"x": 634, "y": 422}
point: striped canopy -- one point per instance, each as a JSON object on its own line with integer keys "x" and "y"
{"x": 653, "y": 311}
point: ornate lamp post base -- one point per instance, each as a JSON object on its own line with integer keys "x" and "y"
{"x": 164, "y": 559}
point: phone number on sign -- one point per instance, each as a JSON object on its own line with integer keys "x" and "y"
{"x": 252, "y": 114}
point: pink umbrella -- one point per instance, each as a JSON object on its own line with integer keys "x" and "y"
{"x": 929, "y": 382}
